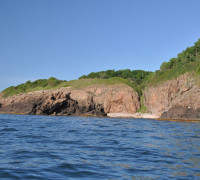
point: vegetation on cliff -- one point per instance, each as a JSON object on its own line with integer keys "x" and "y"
{"x": 137, "y": 78}
{"x": 34, "y": 86}
{"x": 187, "y": 61}
{"x": 53, "y": 83}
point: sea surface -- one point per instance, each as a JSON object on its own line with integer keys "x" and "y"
{"x": 59, "y": 147}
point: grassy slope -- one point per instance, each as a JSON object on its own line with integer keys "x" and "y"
{"x": 158, "y": 77}
{"x": 52, "y": 83}
{"x": 87, "y": 82}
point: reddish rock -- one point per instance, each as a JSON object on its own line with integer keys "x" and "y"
{"x": 97, "y": 100}
{"x": 181, "y": 93}
{"x": 114, "y": 98}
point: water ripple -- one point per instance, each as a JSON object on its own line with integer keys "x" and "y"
{"x": 53, "y": 147}
{"x": 8, "y": 129}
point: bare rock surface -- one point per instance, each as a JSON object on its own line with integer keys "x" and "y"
{"x": 96, "y": 100}
{"x": 175, "y": 99}
{"x": 114, "y": 98}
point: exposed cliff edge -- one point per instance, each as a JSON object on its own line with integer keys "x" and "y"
{"x": 174, "y": 99}
{"x": 96, "y": 100}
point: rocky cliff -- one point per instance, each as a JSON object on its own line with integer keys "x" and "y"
{"x": 97, "y": 100}
{"x": 175, "y": 99}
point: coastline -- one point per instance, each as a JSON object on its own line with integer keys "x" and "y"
{"x": 148, "y": 116}
{"x": 119, "y": 115}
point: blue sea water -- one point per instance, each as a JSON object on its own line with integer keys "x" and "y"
{"x": 58, "y": 147}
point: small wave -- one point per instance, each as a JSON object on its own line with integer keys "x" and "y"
{"x": 72, "y": 130}
{"x": 8, "y": 175}
{"x": 9, "y": 129}
{"x": 67, "y": 166}
{"x": 115, "y": 142}
{"x": 69, "y": 141}
{"x": 84, "y": 174}
{"x": 32, "y": 136}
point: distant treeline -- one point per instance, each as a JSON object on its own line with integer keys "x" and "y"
{"x": 137, "y": 76}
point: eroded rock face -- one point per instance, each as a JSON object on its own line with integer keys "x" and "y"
{"x": 40, "y": 102}
{"x": 174, "y": 99}
{"x": 115, "y": 98}
{"x": 97, "y": 100}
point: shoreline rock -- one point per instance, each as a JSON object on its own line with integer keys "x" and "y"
{"x": 113, "y": 115}
{"x": 95, "y": 100}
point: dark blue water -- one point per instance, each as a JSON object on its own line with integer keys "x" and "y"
{"x": 50, "y": 147}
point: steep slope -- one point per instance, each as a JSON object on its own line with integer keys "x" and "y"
{"x": 175, "y": 99}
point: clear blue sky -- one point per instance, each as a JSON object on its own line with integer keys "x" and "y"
{"x": 68, "y": 38}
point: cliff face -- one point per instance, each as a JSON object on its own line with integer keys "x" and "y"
{"x": 176, "y": 99}
{"x": 95, "y": 100}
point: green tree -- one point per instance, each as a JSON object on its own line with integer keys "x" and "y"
{"x": 92, "y": 75}
{"x": 164, "y": 67}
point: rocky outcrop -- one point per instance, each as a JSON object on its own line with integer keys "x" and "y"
{"x": 96, "y": 100}
{"x": 181, "y": 112}
{"x": 175, "y": 99}
{"x": 115, "y": 98}
{"x": 40, "y": 102}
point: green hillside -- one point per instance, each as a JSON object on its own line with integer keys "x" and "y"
{"x": 138, "y": 79}
{"x": 53, "y": 83}
{"x": 34, "y": 86}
